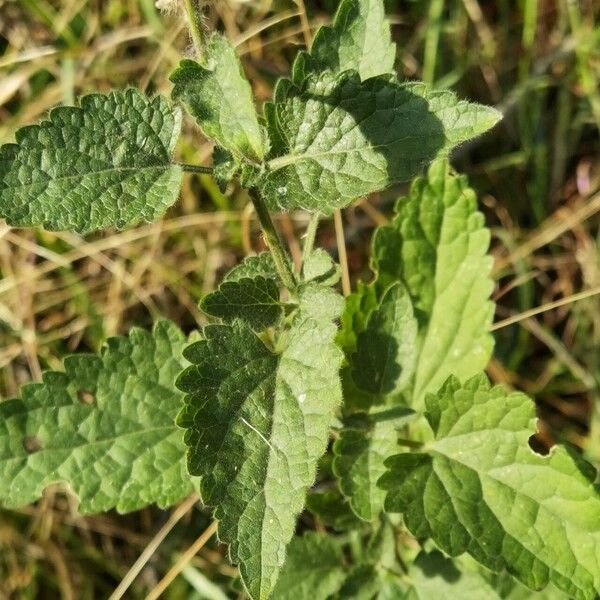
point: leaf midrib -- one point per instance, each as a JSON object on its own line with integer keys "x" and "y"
{"x": 268, "y": 304}
{"x": 160, "y": 167}
{"x": 281, "y": 162}
{"x": 88, "y": 443}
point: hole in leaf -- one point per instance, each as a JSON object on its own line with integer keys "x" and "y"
{"x": 539, "y": 445}
{"x": 86, "y": 397}
{"x": 31, "y": 444}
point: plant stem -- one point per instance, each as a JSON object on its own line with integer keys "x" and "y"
{"x": 196, "y": 168}
{"x": 193, "y": 9}
{"x": 310, "y": 236}
{"x": 410, "y": 443}
{"x": 274, "y": 242}
{"x": 389, "y": 414}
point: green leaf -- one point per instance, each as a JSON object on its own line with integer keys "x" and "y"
{"x": 261, "y": 265}
{"x": 382, "y": 366}
{"x": 257, "y": 422}
{"x": 320, "y": 268}
{"x": 277, "y": 144}
{"x": 359, "y": 461}
{"x": 219, "y": 97}
{"x": 105, "y": 164}
{"x": 391, "y": 587}
{"x": 479, "y": 488}
{"x": 432, "y": 575}
{"x": 437, "y": 246}
{"x": 374, "y": 576}
{"x": 436, "y": 249}
{"x": 316, "y": 569}
{"x": 254, "y": 300}
{"x": 359, "y": 40}
{"x": 362, "y": 583}
{"x": 386, "y": 350}
{"x": 332, "y": 509}
{"x": 313, "y": 570}
{"x": 106, "y": 427}
{"x": 225, "y": 167}
{"x": 382, "y": 547}
{"x": 508, "y": 588}
{"x": 344, "y": 139}
{"x": 357, "y": 308}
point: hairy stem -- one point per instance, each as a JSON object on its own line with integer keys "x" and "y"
{"x": 390, "y": 414}
{"x": 310, "y": 236}
{"x": 193, "y": 8}
{"x": 196, "y": 168}
{"x": 280, "y": 258}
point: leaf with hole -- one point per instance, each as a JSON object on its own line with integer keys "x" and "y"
{"x": 479, "y": 488}
{"x": 106, "y": 427}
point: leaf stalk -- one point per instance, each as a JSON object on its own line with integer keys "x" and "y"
{"x": 310, "y": 237}
{"x": 273, "y": 240}
{"x": 196, "y": 168}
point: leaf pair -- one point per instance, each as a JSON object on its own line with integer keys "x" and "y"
{"x": 423, "y": 318}
{"x": 258, "y": 416}
{"x": 477, "y": 487}
{"x": 342, "y": 128}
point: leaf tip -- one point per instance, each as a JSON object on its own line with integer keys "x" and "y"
{"x": 487, "y": 118}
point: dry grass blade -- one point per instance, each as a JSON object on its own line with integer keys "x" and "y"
{"x": 560, "y": 222}
{"x": 154, "y": 543}
{"x": 545, "y": 307}
{"x": 340, "y": 239}
{"x": 185, "y": 558}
